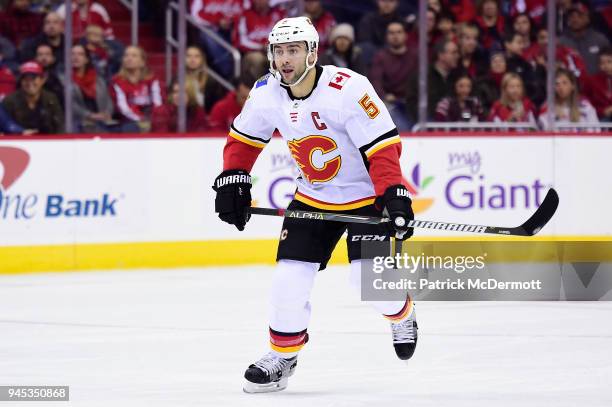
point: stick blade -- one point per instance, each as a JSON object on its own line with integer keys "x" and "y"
{"x": 542, "y": 215}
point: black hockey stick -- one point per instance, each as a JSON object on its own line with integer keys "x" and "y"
{"x": 531, "y": 226}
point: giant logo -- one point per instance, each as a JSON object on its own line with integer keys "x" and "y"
{"x": 317, "y": 157}
{"x": 13, "y": 164}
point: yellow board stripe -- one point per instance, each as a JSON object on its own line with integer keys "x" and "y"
{"x": 103, "y": 256}
{"x": 287, "y": 349}
{"x": 382, "y": 144}
{"x": 245, "y": 140}
{"x": 334, "y": 207}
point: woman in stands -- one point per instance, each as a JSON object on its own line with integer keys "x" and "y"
{"x": 569, "y": 107}
{"x": 135, "y": 91}
{"x": 165, "y": 118}
{"x": 198, "y": 81}
{"x": 92, "y": 107}
{"x": 462, "y": 106}
{"x": 513, "y": 105}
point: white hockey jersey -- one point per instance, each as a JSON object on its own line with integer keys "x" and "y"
{"x": 330, "y": 134}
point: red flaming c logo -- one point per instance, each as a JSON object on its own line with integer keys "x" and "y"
{"x": 303, "y": 150}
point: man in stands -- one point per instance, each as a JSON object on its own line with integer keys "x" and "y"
{"x": 52, "y": 34}
{"x": 17, "y": 22}
{"x": 53, "y": 83}
{"x": 439, "y": 79}
{"x": 581, "y": 37}
{"x": 85, "y": 13}
{"x": 31, "y": 106}
{"x": 391, "y": 69}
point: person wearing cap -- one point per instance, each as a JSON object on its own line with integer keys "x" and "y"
{"x": 342, "y": 51}
{"x": 31, "y": 106}
{"x": 582, "y": 37}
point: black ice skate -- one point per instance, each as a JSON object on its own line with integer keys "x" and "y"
{"x": 270, "y": 373}
{"x": 405, "y": 336}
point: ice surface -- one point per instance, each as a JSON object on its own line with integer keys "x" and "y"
{"x": 184, "y": 337}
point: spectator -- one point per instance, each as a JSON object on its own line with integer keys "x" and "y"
{"x": 53, "y": 83}
{"x": 9, "y": 126}
{"x": 570, "y": 107}
{"x": 488, "y": 86}
{"x": 92, "y": 106}
{"x": 52, "y": 35}
{"x": 565, "y": 57}
{"x": 433, "y": 36}
{"x": 8, "y": 54}
{"x": 532, "y": 9}
{"x": 440, "y": 76}
{"x": 85, "y": 13}
{"x": 17, "y": 22}
{"x": 254, "y": 25}
{"x": 105, "y": 54}
{"x": 225, "y": 111}
{"x": 372, "y": 27}
{"x": 206, "y": 89}
{"x": 521, "y": 24}
{"x": 342, "y": 51}
{"x": 219, "y": 16}
{"x": 7, "y": 79}
{"x": 323, "y": 21}
{"x": 135, "y": 91}
{"x": 165, "y": 117}
{"x": 535, "y": 82}
{"x": 599, "y": 86}
{"x": 32, "y": 107}
{"x": 463, "y": 10}
{"x": 473, "y": 60}
{"x": 491, "y": 23}
{"x": 513, "y": 106}
{"x": 581, "y": 37}
{"x": 445, "y": 26}
{"x": 461, "y": 106}
{"x": 391, "y": 69}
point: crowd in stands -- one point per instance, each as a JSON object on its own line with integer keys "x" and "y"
{"x": 487, "y": 62}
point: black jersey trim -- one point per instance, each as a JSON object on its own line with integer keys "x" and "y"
{"x": 319, "y": 71}
{"x": 248, "y": 136}
{"x": 391, "y": 133}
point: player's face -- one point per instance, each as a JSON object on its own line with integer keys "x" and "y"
{"x": 563, "y": 87}
{"x": 290, "y": 60}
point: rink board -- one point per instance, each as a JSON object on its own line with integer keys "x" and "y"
{"x": 120, "y": 202}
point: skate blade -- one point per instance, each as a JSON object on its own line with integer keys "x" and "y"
{"x": 251, "y": 388}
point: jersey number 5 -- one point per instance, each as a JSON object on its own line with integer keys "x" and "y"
{"x": 369, "y": 106}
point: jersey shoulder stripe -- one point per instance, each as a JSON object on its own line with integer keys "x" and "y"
{"x": 380, "y": 142}
{"x": 247, "y": 139}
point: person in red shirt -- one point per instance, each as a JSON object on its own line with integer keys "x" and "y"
{"x": 217, "y": 14}
{"x": 598, "y": 87}
{"x": 85, "y": 13}
{"x": 8, "y": 82}
{"x": 165, "y": 117}
{"x": 252, "y": 28}
{"x": 323, "y": 21}
{"x": 225, "y": 111}
{"x": 463, "y": 10}
{"x": 135, "y": 91}
{"x": 491, "y": 23}
{"x": 17, "y": 22}
{"x": 535, "y": 9}
{"x": 513, "y": 105}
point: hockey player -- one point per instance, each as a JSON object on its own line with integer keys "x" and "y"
{"x": 347, "y": 148}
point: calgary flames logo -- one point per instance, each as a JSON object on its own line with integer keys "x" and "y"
{"x": 309, "y": 153}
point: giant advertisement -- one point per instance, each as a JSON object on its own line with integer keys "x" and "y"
{"x": 141, "y": 190}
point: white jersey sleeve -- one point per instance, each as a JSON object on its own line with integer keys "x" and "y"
{"x": 252, "y": 126}
{"x": 367, "y": 119}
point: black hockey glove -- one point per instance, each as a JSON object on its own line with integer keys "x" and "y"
{"x": 397, "y": 206}
{"x": 233, "y": 188}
